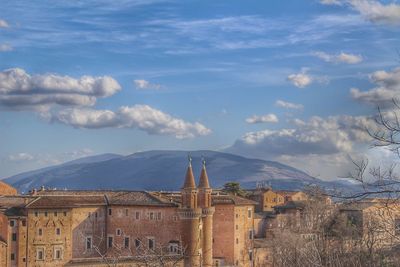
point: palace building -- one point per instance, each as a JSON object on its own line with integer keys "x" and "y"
{"x": 194, "y": 227}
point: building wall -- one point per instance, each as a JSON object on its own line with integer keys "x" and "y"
{"x": 88, "y": 222}
{"x": 3, "y": 254}
{"x": 161, "y": 224}
{"x": 49, "y": 241}
{"x": 244, "y": 235}
{"x": 17, "y": 247}
{"x": 224, "y": 233}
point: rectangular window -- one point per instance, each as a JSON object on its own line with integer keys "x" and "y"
{"x": 151, "y": 216}
{"x": 126, "y": 242}
{"x": 159, "y": 216}
{"x": 65, "y": 213}
{"x": 40, "y": 231}
{"x": 12, "y": 256}
{"x": 109, "y": 212}
{"x": 36, "y": 213}
{"x": 137, "y": 243}
{"x": 45, "y": 214}
{"x": 55, "y": 214}
{"x": 14, "y": 236}
{"x": 137, "y": 215}
{"x": 151, "y": 243}
{"x": 23, "y": 223}
{"x": 12, "y": 223}
{"x": 118, "y": 232}
{"x": 249, "y": 213}
{"x": 251, "y": 234}
{"x": 40, "y": 254}
{"x": 88, "y": 242}
{"x": 250, "y": 255}
{"x": 110, "y": 242}
{"x": 58, "y": 231}
{"x": 57, "y": 254}
{"x": 126, "y": 212}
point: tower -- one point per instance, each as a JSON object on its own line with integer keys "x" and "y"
{"x": 207, "y": 217}
{"x": 190, "y": 215}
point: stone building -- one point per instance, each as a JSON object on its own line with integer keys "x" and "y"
{"x": 193, "y": 227}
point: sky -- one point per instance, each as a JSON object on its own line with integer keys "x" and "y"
{"x": 295, "y": 81}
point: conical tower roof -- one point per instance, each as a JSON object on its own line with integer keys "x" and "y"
{"x": 189, "y": 178}
{"x": 203, "y": 182}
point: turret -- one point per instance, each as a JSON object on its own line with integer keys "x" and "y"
{"x": 189, "y": 190}
{"x": 204, "y": 188}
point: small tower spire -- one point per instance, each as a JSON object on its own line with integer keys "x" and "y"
{"x": 189, "y": 178}
{"x": 203, "y": 182}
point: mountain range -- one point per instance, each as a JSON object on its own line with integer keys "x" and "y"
{"x": 164, "y": 170}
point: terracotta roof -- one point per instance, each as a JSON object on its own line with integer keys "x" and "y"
{"x": 189, "y": 178}
{"x": 138, "y": 198}
{"x": 231, "y": 199}
{"x": 203, "y": 182}
{"x": 7, "y": 190}
{"x": 291, "y": 205}
{"x": 14, "y": 201}
{"x": 66, "y": 201}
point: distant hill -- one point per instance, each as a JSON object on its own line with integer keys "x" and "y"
{"x": 160, "y": 170}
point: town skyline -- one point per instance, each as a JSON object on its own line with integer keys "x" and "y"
{"x": 295, "y": 82}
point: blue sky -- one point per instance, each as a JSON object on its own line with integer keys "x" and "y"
{"x": 292, "y": 81}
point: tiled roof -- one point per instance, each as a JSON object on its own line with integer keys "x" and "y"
{"x": 66, "y": 201}
{"x": 231, "y": 199}
{"x": 141, "y": 198}
{"x": 14, "y": 201}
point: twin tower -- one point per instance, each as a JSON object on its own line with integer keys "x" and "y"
{"x": 196, "y": 215}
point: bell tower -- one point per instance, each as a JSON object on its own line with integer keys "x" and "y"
{"x": 190, "y": 215}
{"x": 207, "y": 216}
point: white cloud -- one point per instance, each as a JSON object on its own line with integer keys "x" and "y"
{"x": 335, "y": 134}
{"x": 288, "y": 105}
{"x": 330, "y": 2}
{"x": 387, "y": 89}
{"x": 262, "y": 119}
{"x": 21, "y": 157}
{"x": 301, "y": 79}
{"x": 3, "y": 24}
{"x": 339, "y": 58}
{"x": 377, "y": 12}
{"x": 142, "y": 117}
{"x": 19, "y": 90}
{"x": 146, "y": 85}
{"x": 5, "y": 48}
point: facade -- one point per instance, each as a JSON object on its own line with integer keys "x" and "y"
{"x": 127, "y": 228}
{"x": 267, "y": 198}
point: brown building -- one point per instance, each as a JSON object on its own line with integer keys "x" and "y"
{"x": 267, "y": 198}
{"x": 129, "y": 228}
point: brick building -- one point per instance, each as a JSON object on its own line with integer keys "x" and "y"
{"x": 193, "y": 227}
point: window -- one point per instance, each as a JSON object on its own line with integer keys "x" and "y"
{"x": 88, "y": 242}
{"x": 12, "y": 256}
{"x": 249, "y": 213}
{"x": 14, "y": 237}
{"x": 57, "y": 253}
{"x": 55, "y": 214}
{"x": 118, "y": 232}
{"x": 137, "y": 243}
{"x": 58, "y": 231}
{"x": 250, "y": 255}
{"x": 126, "y": 242}
{"x": 151, "y": 243}
{"x": 40, "y": 231}
{"x": 237, "y": 227}
{"x": 237, "y": 240}
{"x": 45, "y": 213}
{"x": 159, "y": 216}
{"x": 65, "y": 213}
{"x": 251, "y": 234}
{"x": 109, "y": 212}
{"x": 137, "y": 215}
{"x": 95, "y": 215}
{"x": 126, "y": 212}
{"x": 110, "y": 242}
{"x": 12, "y": 223}
{"x": 40, "y": 254}
{"x": 173, "y": 247}
{"x": 36, "y": 213}
{"x": 151, "y": 215}
{"x": 23, "y": 223}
